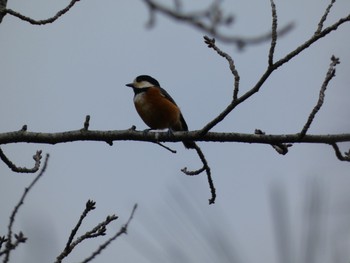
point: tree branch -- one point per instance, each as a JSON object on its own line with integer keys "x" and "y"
{"x": 324, "y": 17}
{"x": 99, "y": 230}
{"x": 123, "y": 230}
{"x": 208, "y": 21}
{"x": 208, "y": 172}
{"x": 273, "y": 33}
{"x": 90, "y": 205}
{"x": 20, "y": 238}
{"x": 340, "y": 156}
{"x": 329, "y": 76}
{"x": 270, "y": 69}
{"x": 40, "y": 22}
{"x": 14, "y": 168}
{"x": 211, "y": 44}
{"x": 133, "y": 135}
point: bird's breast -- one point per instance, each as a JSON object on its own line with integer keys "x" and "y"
{"x": 156, "y": 110}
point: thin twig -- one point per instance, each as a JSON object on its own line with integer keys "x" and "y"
{"x": 205, "y": 168}
{"x": 165, "y": 147}
{"x": 329, "y": 76}
{"x": 340, "y": 156}
{"x": 273, "y": 33}
{"x": 123, "y": 230}
{"x": 99, "y": 230}
{"x": 14, "y": 168}
{"x": 45, "y": 21}
{"x": 3, "y": 239}
{"x": 90, "y": 205}
{"x": 20, "y": 237}
{"x": 211, "y": 44}
{"x": 324, "y": 17}
{"x": 214, "y": 17}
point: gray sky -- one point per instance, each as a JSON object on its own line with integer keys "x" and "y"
{"x": 54, "y": 75}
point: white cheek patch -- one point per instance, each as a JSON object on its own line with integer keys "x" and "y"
{"x": 143, "y": 84}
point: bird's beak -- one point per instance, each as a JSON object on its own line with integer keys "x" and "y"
{"x": 131, "y": 85}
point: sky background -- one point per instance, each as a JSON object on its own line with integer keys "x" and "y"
{"x": 52, "y": 76}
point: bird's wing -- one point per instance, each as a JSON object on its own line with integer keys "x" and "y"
{"x": 167, "y": 95}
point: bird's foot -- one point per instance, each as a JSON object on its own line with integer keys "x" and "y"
{"x": 170, "y": 132}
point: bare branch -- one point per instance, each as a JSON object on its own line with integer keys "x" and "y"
{"x": 45, "y": 21}
{"x": 340, "y": 156}
{"x": 99, "y": 230}
{"x": 208, "y": 21}
{"x": 193, "y": 172}
{"x": 324, "y": 17}
{"x": 234, "y": 102}
{"x": 311, "y": 41}
{"x": 282, "y": 141}
{"x": 14, "y": 168}
{"x": 208, "y": 172}
{"x": 329, "y": 76}
{"x": 123, "y": 230}
{"x": 3, "y": 239}
{"x": 20, "y": 237}
{"x": 270, "y": 70}
{"x": 211, "y": 44}
{"x": 90, "y": 205}
{"x": 133, "y": 135}
{"x": 166, "y": 147}
{"x": 273, "y": 32}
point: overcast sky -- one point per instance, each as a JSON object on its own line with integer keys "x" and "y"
{"x": 52, "y": 76}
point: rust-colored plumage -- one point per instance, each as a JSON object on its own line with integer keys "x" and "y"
{"x": 156, "y": 107}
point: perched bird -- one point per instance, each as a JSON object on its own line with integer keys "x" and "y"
{"x": 156, "y": 107}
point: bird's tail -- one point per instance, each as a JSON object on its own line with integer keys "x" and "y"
{"x": 184, "y": 127}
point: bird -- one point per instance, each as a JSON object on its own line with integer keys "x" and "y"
{"x": 157, "y": 108}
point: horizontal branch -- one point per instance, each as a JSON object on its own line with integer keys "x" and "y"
{"x": 161, "y": 136}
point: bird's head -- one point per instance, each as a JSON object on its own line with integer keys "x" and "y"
{"x": 143, "y": 81}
